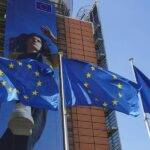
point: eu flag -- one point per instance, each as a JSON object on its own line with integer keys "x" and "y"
{"x": 7, "y": 91}
{"x": 144, "y": 83}
{"x": 31, "y": 81}
{"x": 88, "y": 85}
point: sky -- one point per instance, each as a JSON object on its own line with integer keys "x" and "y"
{"x": 126, "y": 32}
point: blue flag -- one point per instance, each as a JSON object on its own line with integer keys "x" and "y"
{"x": 144, "y": 83}
{"x": 30, "y": 81}
{"x": 88, "y": 85}
{"x": 7, "y": 91}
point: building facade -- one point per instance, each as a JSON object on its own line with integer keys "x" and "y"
{"x": 86, "y": 125}
{"x": 89, "y": 128}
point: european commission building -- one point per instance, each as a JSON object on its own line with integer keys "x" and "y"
{"x": 89, "y": 128}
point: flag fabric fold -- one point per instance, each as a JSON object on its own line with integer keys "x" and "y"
{"x": 86, "y": 84}
{"x": 30, "y": 81}
{"x": 144, "y": 83}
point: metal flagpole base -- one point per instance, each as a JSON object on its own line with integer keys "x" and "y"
{"x": 21, "y": 121}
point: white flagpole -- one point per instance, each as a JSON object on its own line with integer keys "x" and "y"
{"x": 63, "y": 108}
{"x": 146, "y": 120}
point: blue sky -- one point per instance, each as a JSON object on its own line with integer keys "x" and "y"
{"x": 125, "y": 25}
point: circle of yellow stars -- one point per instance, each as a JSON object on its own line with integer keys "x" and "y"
{"x": 39, "y": 83}
{"x": 114, "y": 102}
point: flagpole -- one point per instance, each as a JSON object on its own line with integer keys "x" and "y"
{"x": 140, "y": 100}
{"x": 63, "y": 108}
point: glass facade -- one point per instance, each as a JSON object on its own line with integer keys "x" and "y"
{"x": 67, "y": 4}
{"x": 91, "y": 14}
{"x": 111, "y": 122}
{"x": 2, "y": 23}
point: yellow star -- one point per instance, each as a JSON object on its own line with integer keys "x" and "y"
{"x": 88, "y": 75}
{"x": 3, "y": 82}
{"x": 86, "y": 84}
{"x": 29, "y": 66}
{"x": 1, "y": 73}
{"x": 17, "y": 91}
{"x": 100, "y": 68}
{"x": 19, "y": 63}
{"x": 92, "y": 68}
{"x": 37, "y": 74}
{"x": 11, "y": 65}
{"x": 115, "y": 102}
{"x": 10, "y": 89}
{"x": 120, "y": 95}
{"x": 39, "y": 83}
{"x": 35, "y": 93}
{"x": 114, "y": 76}
{"x": 119, "y": 85}
{"x": 25, "y": 97}
{"x": 105, "y": 104}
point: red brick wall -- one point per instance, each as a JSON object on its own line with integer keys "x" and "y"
{"x": 86, "y": 125}
{"x": 79, "y": 37}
